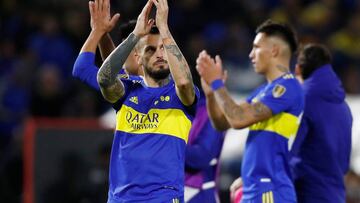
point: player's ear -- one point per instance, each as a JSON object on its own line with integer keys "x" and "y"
{"x": 137, "y": 56}
{"x": 275, "y": 50}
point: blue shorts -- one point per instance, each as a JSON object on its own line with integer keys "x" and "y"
{"x": 268, "y": 197}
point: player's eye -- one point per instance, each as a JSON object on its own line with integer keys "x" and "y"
{"x": 150, "y": 49}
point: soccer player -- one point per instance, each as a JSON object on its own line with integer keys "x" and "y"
{"x": 272, "y": 112}
{"x": 323, "y": 144}
{"x": 205, "y": 143}
{"x": 153, "y": 114}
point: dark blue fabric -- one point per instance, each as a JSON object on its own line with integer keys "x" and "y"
{"x": 321, "y": 151}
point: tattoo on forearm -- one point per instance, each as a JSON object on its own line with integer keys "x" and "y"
{"x": 231, "y": 109}
{"x": 282, "y": 68}
{"x": 238, "y": 112}
{"x": 174, "y": 50}
{"x": 112, "y": 87}
{"x": 183, "y": 66}
{"x": 112, "y": 64}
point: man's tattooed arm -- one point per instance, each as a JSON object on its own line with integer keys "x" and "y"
{"x": 241, "y": 115}
{"x": 180, "y": 71}
{"x": 111, "y": 87}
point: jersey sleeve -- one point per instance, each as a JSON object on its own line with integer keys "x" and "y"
{"x": 86, "y": 70}
{"x": 129, "y": 83}
{"x": 279, "y": 97}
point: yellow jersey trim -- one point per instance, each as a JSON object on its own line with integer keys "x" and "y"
{"x": 171, "y": 122}
{"x": 284, "y": 124}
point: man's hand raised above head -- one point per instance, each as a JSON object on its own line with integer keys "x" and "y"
{"x": 208, "y": 68}
{"x": 101, "y": 20}
{"x": 162, "y": 12}
{"x": 143, "y": 23}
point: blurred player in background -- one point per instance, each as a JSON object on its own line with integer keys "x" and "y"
{"x": 323, "y": 144}
{"x": 202, "y": 156}
{"x": 272, "y": 112}
{"x": 153, "y": 114}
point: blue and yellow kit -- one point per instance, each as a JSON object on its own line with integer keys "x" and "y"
{"x": 265, "y": 168}
{"x": 147, "y": 158}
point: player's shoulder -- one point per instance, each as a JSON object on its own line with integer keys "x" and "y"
{"x": 288, "y": 81}
{"x": 286, "y": 85}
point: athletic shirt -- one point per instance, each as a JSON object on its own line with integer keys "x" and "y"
{"x": 147, "y": 158}
{"x": 265, "y": 162}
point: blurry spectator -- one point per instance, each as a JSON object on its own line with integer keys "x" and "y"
{"x": 48, "y": 97}
{"x": 321, "y": 151}
{"x": 52, "y": 47}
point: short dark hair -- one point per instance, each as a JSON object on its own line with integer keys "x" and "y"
{"x": 281, "y": 30}
{"x": 311, "y": 57}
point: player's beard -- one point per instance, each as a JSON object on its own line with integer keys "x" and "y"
{"x": 160, "y": 74}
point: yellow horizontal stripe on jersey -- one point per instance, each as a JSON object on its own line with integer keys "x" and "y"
{"x": 171, "y": 122}
{"x": 284, "y": 124}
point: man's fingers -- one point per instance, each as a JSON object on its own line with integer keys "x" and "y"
{"x": 101, "y": 4}
{"x": 151, "y": 22}
{"x": 147, "y": 7}
{"x": 156, "y": 2}
{"x": 91, "y": 8}
{"x": 106, "y": 5}
{"x": 96, "y": 5}
{"x": 114, "y": 19}
{"x": 225, "y": 76}
{"x": 199, "y": 69}
{"x": 218, "y": 60}
{"x": 163, "y": 4}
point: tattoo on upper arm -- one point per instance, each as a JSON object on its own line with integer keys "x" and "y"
{"x": 105, "y": 78}
{"x": 261, "y": 110}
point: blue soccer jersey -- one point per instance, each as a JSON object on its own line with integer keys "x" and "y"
{"x": 265, "y": 168}
{"x": 147, "y": 158}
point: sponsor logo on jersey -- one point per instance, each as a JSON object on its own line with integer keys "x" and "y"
{"x": 134, "y": 99}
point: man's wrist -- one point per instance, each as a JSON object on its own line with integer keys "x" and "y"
{"x": 164, "y": 32}
{"x": 217, "y": 84}
{"x": 96, "y": 34}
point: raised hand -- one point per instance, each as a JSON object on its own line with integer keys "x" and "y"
{"x": 143, "y": 23}
{"x": 101, "y": 19}
{"x": 162, "y": 11}
{"x": 208, "y": 68}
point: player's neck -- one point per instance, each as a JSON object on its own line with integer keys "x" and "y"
{"x": 151, "y": 82}
{"x": 277, "y": 70}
